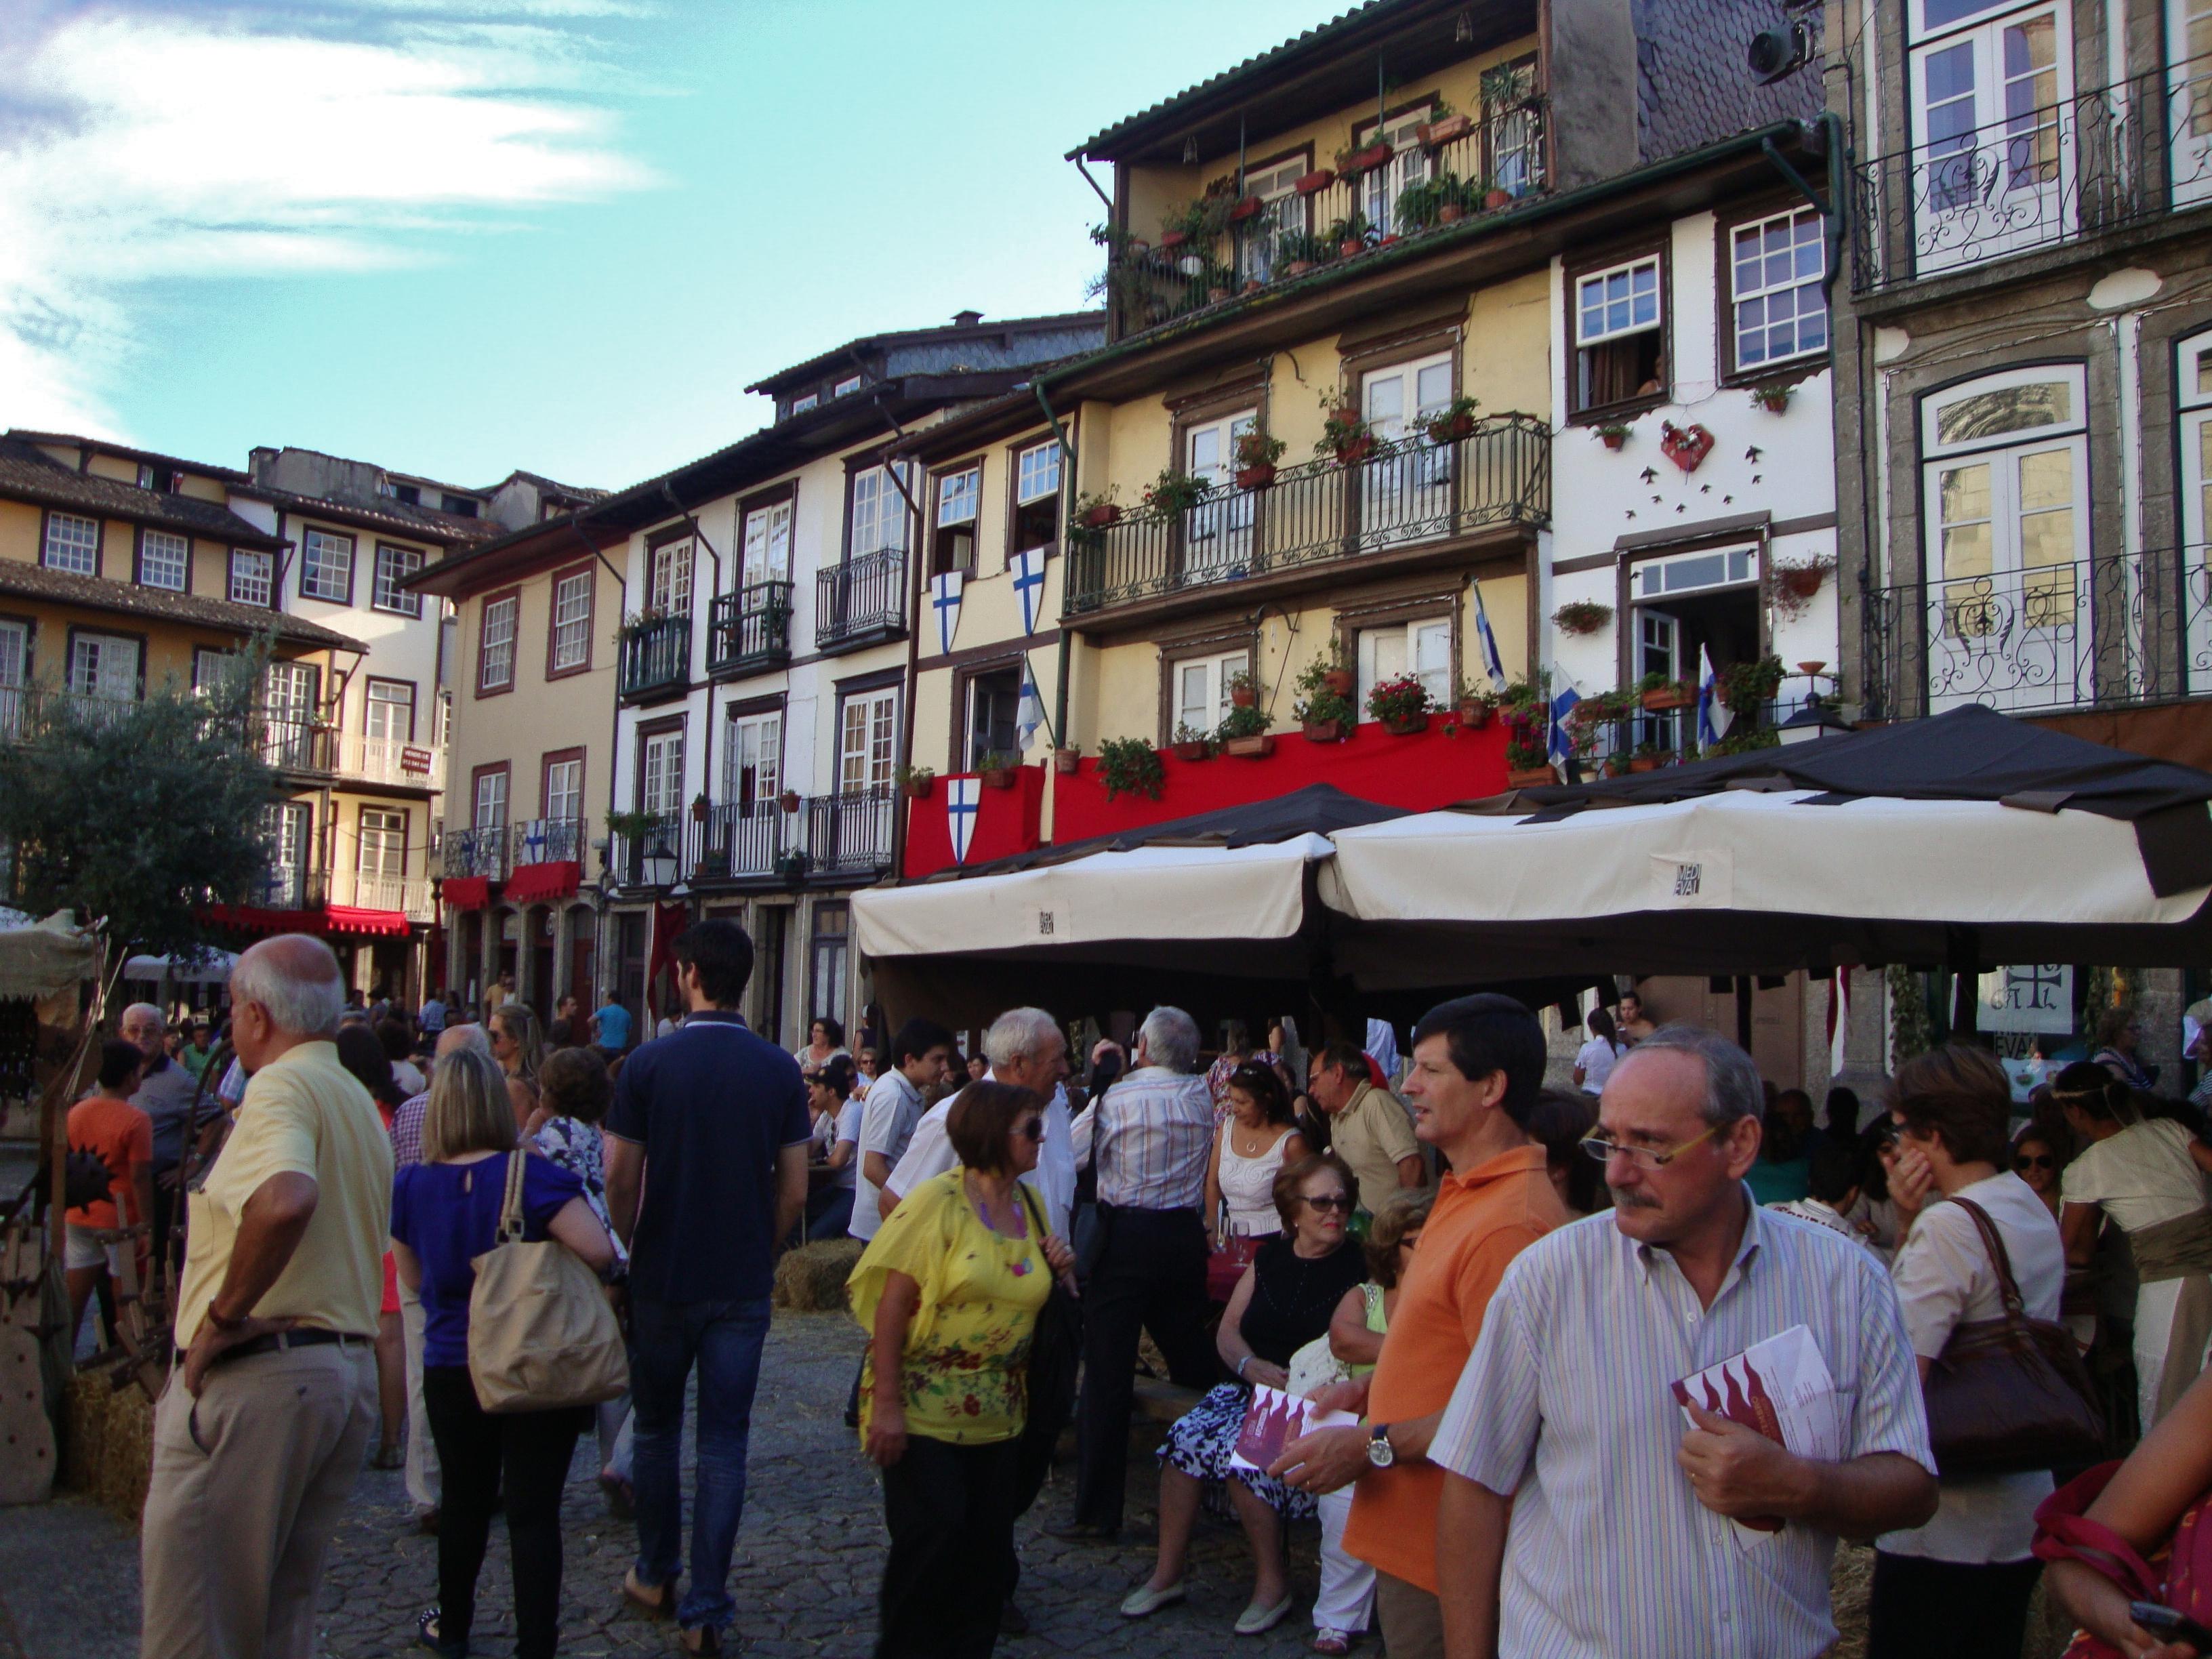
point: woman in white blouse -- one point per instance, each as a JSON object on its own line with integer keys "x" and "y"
{"x": 1595, "y": 1063}
{"x": 1960, "y": 1584}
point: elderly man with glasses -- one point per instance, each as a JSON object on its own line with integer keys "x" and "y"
{"x": 1580, "y": 1515}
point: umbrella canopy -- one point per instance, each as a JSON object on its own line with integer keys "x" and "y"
{"x": 212, "y": 966}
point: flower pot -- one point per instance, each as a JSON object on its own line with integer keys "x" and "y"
{"x": 1252, "y": 285}
{"x": 1257, "y": 748}
{"x": 918, "y": 788}
{"x": 1311, "y": 183}
{"x": 1243, "y": 696}
{"x": 1214, "y": 296}
{"x": 1340, "y": 681}
{"x": 1433, "y": 133}
{"x": 1612, "y": 440}
{"x": 1198, "y": 749}
{"x": 1348, "y": 247}
{"x": 1324, "y": 730}
{"x": 1099, "y": 517}
{"x": 1067, "y": 762}
{"x": 1803, "y": 583}
{"x": 1451, "y": 431}
{"x": 1646, "y": 762}
{"x": 1247, "y": 208}
{"x": 1810, "y": 669}
{"x": 789, "y": 801}
{"x": 1773, "y": 399}
{"x": 1406, "y": 726}
{"x": 1658, "y": 703}
{"x": 1173, "y": 238}
{"x": 1297, "y": 267}
{"x": 1357, "y": 450}
{"x": 998, "y": 777}
{"x": 1532, "y": 777}
{"x": 1255, "y": 477}
{"x": 699, "y": 812}
{"x": 1474, "y": 716}
{"x": 1450, "y": 214}
{"x": 1496, "y": 198}
{"x": 1366, "y": 161}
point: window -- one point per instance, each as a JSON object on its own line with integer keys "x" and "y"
{"x": 1987, "y": 95}
{"x": 2189, "y": 99}
{"x": 1202, "y": 690}
{"x": 165, "y": 559}
{"x": 958, "y": 496}
{"x": 1410, "y": 163}
{"x": 441, "y": 733}
{"x": 162, "y": 480}
{"x": 752, "y": 762}
{"x": 768, "y": 545}
{"x": 390, "y": 711}
{"x": 994, "y": 716}
{"x": 1406, "y": 493}
{"x": 290, "y": 705}
{"x": 564, "y": 789}
{"x": 800, "y": 405}
{"x": 879, "y": 513}
{"x": 410, "y": 494}
{"x": 14, "y": 672}
{"x": 867, "y": 740}
{"x": 491, "y": 799}
{"x": 1036, "y": 495}
{"x": 326, "y": 567}
{"x": 495, "y": 651}
{"x": 285, "y": 834}
{"x": 851, "y": 383}
{"x": 72, "y": 544}
{"x": 463, "y": 507}
{"x": 394, "y": 565}
{"x": 209, "y": 666}
{"x": 1421, "y": 648}
{"x": 1692, "y": 573}
{"x": 660, "y": 773}
{"x": 104, "y": 665}
{"x": 829, "y": 961}
{"x": 1775, "y": 267}
{"x": 1619, "y": 335}
{"x": 668, "y": 584}
{"x": 1217, "y": 533}
{"x": 1513, "y": 127}
{"x": 252, "y": 577}
{"x": 572, "y": 622}
{"x": 2193, "y": 384}
{"x": 383, "y": 851}
{"x": 1282, "y": 213}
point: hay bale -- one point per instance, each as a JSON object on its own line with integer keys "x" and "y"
{"x": 813, "y": 1277}
{"x": 126, "y": 1455}
{"x": 86, "y": 1406}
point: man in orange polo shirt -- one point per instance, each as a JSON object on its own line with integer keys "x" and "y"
{"x": 1477, "y": 1067}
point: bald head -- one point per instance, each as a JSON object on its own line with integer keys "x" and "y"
{"x": 289, "y": 987}
{"x": 472, "y": 1037}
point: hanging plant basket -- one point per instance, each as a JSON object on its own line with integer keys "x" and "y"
{"x": 1255, "y": 477}
{"x": 1257, "y": 748}
{"x": 1774, "y": 399}
{"x": 1249, "y": 208}
{"x": 1243, "y": 696}
{"x": 1067, "y": 762}
{"x": 1612, "y": 436}
{"x": 1339, "y": 681}
{"x": 1355, "y": 451}
{"x": 1529, "y": 777}
{"x": 1324, "y": 730}
{"x": 789, "y": 799}
{"x": 1581, "y": 616}
{"x": 1801, "y": 581}
{"x": 921, "y": 788}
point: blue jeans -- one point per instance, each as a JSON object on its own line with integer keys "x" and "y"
{"x": 724, "y": 1340}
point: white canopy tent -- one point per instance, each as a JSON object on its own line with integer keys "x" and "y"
{"x": 211, "y": 967}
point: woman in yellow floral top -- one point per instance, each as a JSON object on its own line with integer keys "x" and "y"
{"x": 950, "y": 1290}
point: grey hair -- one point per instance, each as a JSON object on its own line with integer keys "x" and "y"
{"x": 1171, "y": 1039}
{"x": 455, "y": 1038}
{"x": 148, "y": 1009}
{"x": 1732, "y": 1090}
{"x": 1017, "y": 1034}
{"x": 294, "y": 977}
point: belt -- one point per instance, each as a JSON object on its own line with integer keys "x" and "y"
{"x": 278, "y": 1342}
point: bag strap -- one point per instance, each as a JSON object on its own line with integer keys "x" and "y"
{"x": 2097, "y": 1547}
{"x": 510, "y": 1214}
{"x": 2015, "y": 1308}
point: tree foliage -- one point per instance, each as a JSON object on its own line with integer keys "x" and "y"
{"x": 143, "y": 813}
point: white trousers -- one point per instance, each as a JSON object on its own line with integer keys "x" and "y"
{"x": 1347, "y": 1584}
{"x": 423, "y": 1485}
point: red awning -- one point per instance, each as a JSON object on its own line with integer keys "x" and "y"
{"x": 467, "y": 892}
{"x": 252, "y": 918}
{"x": 352, "y": 919}
{"x": 554, "y": 879}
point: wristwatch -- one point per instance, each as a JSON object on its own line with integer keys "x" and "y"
{"x": 1378, "y": 1447}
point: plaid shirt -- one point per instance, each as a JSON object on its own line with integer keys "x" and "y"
{"x": 407, "y": 1130}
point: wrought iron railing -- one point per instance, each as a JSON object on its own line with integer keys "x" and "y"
{"x": 290, "y": 745}
{"x": 650, "y": 858}
{"x": 1492, "y": 162}
{"x": 470, "y": 852}
{"x": 290, "y": 888}
{"x": 546, "y": 841}
{"x": 861, "y": 600}
{"x": 848, "y": 834}
{"x": 2094, "y": 634}
{"x": 742, "y": 840}
{"x": 1402, "y": 494}
{"x": 750, "y": 628}
{"x": 655, "y": 655}
{"x": 2093, "y": 162}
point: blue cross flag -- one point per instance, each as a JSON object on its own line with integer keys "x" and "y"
{"x": 1561, "y": 745}
{"x": 1492, "y": 662}
{"x": 945, "y": 599}
{"x": 1713, "y": 720}
{"x": 1029, "y": 585}
{"x": 1030, "y": 714}
{"x": 962, "y": 796}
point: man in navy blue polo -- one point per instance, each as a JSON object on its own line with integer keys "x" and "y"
{"x": 711, "y": 1121}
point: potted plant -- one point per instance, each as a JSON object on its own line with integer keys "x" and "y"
{"x": 1244, "y": 732}
{"x": 1247, "y": 207}
{"x": 792, "y": 866}
{"x": 1648, "y": 757}
{"x": 1192, "y": 745}
{"x": 1613, "y": 435}
{"x": 1772, "y": 398}
{"x": 1130, "y": 766}
{"x": 1175, "y": 492}
{"x": 1335, "y": 673}
{"x": 1791, "y": 584}
{"x": 1527, "y": 763}
{"x": 1581, "y": 616}
{"x": 1351, "y": 235}
{"x": 1402, "y": 705}
{"x": 1243, "y": 690}
{"x": 700, "y": 807}
{"x": 1257, "y": 452}
{"x": 1346, "y": 437}
{"x": 1443, "y": 125}
{"x": 1453, "y": 421}
{"x": 1471, "y": 709}
{"x": 1097, "y": 511}
{"x": 1356, "y": 158}
{"x": 1745, "y": 685}
{"x": 1323, "y": 706}
{"x": 1495, "y": 197}
{"x": 1312, "y": 183}
{"x": 788, "y": 801}
{"x": 1656, "y": 694}
{"x": 1298, "y": 252}
{"x": 632, "y": 826}
{"x": 998, "y": 769}
{"x": 915, "y": 782}
{"x": 1068, "y": 761}
{"x": 1419, "y": 204}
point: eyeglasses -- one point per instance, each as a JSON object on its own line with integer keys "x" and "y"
{"x": 1604, "y": 1150}
{"x": 2035, "y": 1161}
{"x": 1030, "y": 1128}
{"x": 1330, "y": 1201}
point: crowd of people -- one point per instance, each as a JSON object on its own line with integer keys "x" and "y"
{"x": 1489, "y": 1288}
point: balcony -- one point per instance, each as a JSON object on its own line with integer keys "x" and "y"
{"x": 408, "y": 896}
{"x": 475, "y": 853}
{"x": 1403, "y": 497}
{"x": 2102, "y": 160}
{"x": 862, "y": 601}
{"x": 1215, "y": 258}
{"x": 2103, "y": 633}
{"x": 740, "y": 841}
{"x": 546, "y": 841}
{"x": 391, "y": 764}
{"x": 656, "y": 656}
{"x": 750, "y": 629}
{"x": 295, "y": 745}
{"x": 846, "y": 836}
{"x": 649, "y": 857}
{"x": 290, "y": 889}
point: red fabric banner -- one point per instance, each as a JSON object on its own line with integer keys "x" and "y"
{"x": 554, "y": 879}
{"x": 1006, "y": 822}
{"x": 668, "y": 921}
{"x": 353, "y": 919}
{"x": 467, "y": 892}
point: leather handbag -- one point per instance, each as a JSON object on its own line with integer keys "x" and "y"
{"x": 2010, "y": 1393}
{"x": 542, "y": 1334}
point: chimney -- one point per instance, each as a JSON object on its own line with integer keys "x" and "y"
{"x": 966, "y": 319}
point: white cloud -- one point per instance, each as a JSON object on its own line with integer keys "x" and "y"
{"x": 143, "y": 144}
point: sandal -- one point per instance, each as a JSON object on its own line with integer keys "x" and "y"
{"x": 428, "y": 1635}
{"x": 655, "y": 1601}
{"x": 1332, "y": 1641}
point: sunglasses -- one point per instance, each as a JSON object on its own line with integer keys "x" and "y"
{"x": 1330, "y": 1201}
{"x": 1030, "y": 1128}
{"x": 2035, "y": 1161}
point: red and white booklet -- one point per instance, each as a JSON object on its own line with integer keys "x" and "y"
{"x": 1782, "y": 1388}
{"x": 1272, "y": 1420}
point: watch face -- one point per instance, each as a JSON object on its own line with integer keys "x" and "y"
{"x": 1378, "y": 1451}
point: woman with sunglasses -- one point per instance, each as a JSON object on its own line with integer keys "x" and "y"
{"x": 950, "y": 1290}
{"x": 1284, "y": 1300}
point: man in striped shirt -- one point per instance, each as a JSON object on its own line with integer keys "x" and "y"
{"x": 1581, "y": 1516}
{"x": 1149, "y": 1136}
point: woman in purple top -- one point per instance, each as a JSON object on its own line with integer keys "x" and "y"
{"x": 445, "y": 1213}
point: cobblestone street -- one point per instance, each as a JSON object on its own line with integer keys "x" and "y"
{"x": 808, "y": 1556}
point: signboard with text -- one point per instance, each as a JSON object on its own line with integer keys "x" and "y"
{"x": 2035, "y": 997}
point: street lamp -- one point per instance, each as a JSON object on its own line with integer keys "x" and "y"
{"x": 657, "y": 861}
{"x": 1814, "y": 718}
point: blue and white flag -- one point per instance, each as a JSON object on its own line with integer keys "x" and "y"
{"x": 1029, "y": 585}
{"x": 1563, "y": 743}
{"x": 1493, "y": 663}
{"x": 944, "y": 600}
{"x": 1713, "y": 718}
{"x": 1031, "y": 713}
{"x": 962, "y": 798}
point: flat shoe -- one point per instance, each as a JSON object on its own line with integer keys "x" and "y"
{"x": 1143, "y": 1602}
{"x": 655, "y": 1601}
{"x": 1257, "y": 1620}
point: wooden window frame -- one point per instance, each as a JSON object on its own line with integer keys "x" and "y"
{"x": 515, "y": 658}
{"x": 587, "y": 569}
{"x": 1015, "y": 450}
{"x": 477, "y": 774}
{"x": 963, "y": 677}
{"x": 1729, "y": 371}
{"x": 69, "y": 656}
{"x": 679, "y": 725}
{"x": 138, "y": 558}
{"x": 936, "y": 476}
{"x": 400, "y": 610}
{"x": 546, "y": 762}
{"x": 1629, "y": 251}
{"x": 353, "y": 563}
{"x": 46, "y": 518}
{"x": 230, "y": 577}
{"x": 414, "y": 699}
{"x": 1425, "y": 603}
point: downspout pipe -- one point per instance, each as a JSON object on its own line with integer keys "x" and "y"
{"x": 1834, "y": 211}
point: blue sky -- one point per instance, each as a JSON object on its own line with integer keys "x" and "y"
{"x": 461, "y": 236}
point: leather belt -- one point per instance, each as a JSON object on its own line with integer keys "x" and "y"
{"x": 278, "y": 1342}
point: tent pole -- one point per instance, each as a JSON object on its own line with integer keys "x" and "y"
{"x": 1743, "y": 1012}
{"x": 1964, "y": 986}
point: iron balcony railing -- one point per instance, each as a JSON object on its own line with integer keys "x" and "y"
{"x": 2093, "y": 163}
{"x": 1403, "y": 494}
{"x": 847, "y": 835}
{"x": 655, "y": 655}
{"x": 546, "y": 841}
{"x": 2098, "y": 633}
{"x": 290, "y": 888}
{"x": 651, "y": 857}
{"x": 750, "y": 628}
{"x": 292, "y": 744}
{"x": 1493, "y": 161}
{"x": 860, "y": 601}
{"x": 739, "y": 840}
{"x": 473, "y": 852}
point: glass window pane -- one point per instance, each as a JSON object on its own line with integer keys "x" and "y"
{"x": 2011, "y": 409}
{"x": 2046, "y": 479}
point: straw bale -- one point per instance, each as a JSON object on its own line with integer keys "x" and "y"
{"x": 86, "y": 1408}
{"x": 812, "y": 1277}
{"x": 126, "y": 1461}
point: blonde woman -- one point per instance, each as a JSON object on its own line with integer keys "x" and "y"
{"x": 445, "y": 1213}
{"x": 520, "y": 1048}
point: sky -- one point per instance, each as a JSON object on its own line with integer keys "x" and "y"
{"x": 458, "y": 237}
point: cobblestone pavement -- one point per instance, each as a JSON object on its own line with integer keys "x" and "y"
{"x": 809, "y": 1556}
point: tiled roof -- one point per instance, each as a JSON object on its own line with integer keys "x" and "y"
{"x": 846, "y": 355}
{"x": 422, "y": 523}
{"x": 28, "y": 474}
{"x": 33, "y": 581}
{"x": 206, "y": 470}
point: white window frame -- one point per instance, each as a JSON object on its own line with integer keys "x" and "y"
{"x": 174, "y": 555}
{"x": 71, "y": 543}
{"x": 867, "y": 740}
{"x": 495, "y": 634}
{"x": 397, "y": 711}
{"x": 1282, "y": 213}
{"x": 2193, "y": 419}
{"x": 2189, "y": 100}
{"x": 564, "y": 791}
{"x": 768, "y": 544}
{"x": 1410, "y": 163}
{"x": 1607, "y": 329}
{"x": 851, "y": 383}
{"x": 14, "y": 672}
{"x": 763, "y": 735}
{"x": 878, "y": 513}
{"x": 325, "y": 566}
{"x": 252, "y": 577}
{"x": 386, "y": 592}
{"x": 660, "y": 773}
{"x": 1405, "y": 490}
{"x": 1201, "y": 688}
{"x": 1217, "y": 532}
{"x": 1805, "y": 228}
{"x": 572, "y": 621}
{"x": 92, "y": 670}
{"x": 668, "y": 577}
{"x": 800, "y": 405}
{"x": 1433, "y": 634}
{"x": 380, "y": 845}
{"x": 489, "y": 813}
{"x": 960, "y": 495}
{"x": 1037, "y": 473}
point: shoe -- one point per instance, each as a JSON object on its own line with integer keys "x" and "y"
{"x": 654, "y": 1600}
{"x": 1013, "y": 1621}
{"x": 701, "y": 1638}
{"x": 389, "y": 1456}
{"x": 1332, "y": 1641}
{"x": 1257, "y": 1620}
{"x": 426, "y": 1520}
{"x": 622, "y": 1497}
{"x": 1083, "y": 1532}
{"x": 1143, "y": 1602}
{"x": 427, "y": 1636}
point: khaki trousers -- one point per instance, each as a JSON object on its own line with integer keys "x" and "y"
{"x": 249, "y": 1481}
{"x": 1413, "y": 1624}
{"x": 423, "y": 1480}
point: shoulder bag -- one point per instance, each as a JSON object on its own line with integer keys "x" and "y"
{"x": 2010, "y": 1393}
{"x": 542, "y": 1334}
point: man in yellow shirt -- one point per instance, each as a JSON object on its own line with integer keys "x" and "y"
{"x": 1367, "y": 1126}
{"x": 260, "y": 1432}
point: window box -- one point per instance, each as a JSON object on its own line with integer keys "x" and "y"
{"x": 1312, "y": 183}
{"x": 1406, "y": 726}
{"x": 1533, "y": 777}
{"x": 1668, "y": 698}
{"x": 1255, "y": 477}
{"x": 1194, "y": 748}
{"x": 1257, "y": 748}
{"x": 1101, "y": 515}
{"x": 998, "y": 777}
{"x": 1433, "y": 134}
{"x": 1365, "y": 159}
{"x": 1324, "y": 730}
{"x": 1247, "y": 208}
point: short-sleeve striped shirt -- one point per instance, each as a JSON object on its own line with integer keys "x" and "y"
{"x": 1565, "y": 1405}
